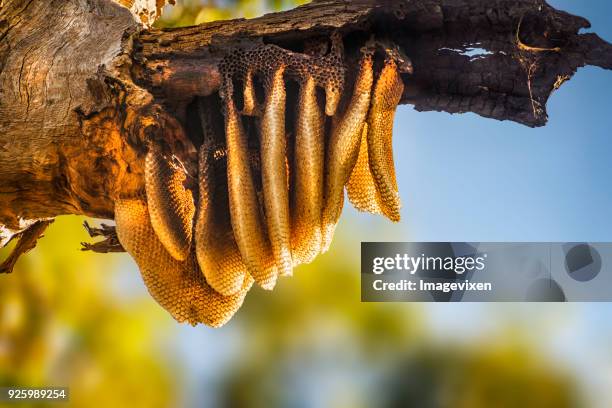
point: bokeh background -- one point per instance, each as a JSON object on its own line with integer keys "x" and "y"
{"x": 85, "y": 321}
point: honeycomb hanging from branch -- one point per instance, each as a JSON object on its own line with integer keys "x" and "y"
{"x": 271, "y": 181}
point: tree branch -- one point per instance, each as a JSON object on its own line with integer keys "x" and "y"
{"x": 27, "y": 241}
{"x": 468, "y": 56}
{"x": 83, "y": 87}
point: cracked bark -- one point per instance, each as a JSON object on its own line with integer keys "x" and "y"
{"x": 83, "y": 85}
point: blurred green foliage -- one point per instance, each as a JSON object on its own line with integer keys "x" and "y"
{"x": 193, "y": 12}
{"x": 313, "y": 343}
{"x": 62, "y": 324}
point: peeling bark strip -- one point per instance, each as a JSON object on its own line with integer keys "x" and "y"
{"x": 146, "y": 11}
{"x": 27, "y": 242}
{"x": 84, "y": 88}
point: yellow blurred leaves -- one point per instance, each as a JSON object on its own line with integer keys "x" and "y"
{"x": 61, "y": 323}
{"x": 193, "y": 12}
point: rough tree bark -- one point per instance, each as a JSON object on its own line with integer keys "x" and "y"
{"x": 83, "y": 83}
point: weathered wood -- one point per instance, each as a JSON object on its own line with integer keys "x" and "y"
{"x": 83, "y": 86}
{"x": 499, "y": 59}
{"x": 53, "y": 159}
{"x": 110, "y": 243}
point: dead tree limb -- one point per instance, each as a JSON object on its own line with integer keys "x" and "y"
{"x": 26, "y": 241}
{"x": 83, "y": 85}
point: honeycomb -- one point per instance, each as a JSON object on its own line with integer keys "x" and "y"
{"x": 171, "y": 204}
{"x": 272, "y": 170}
{"x": 178, "y": 286}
